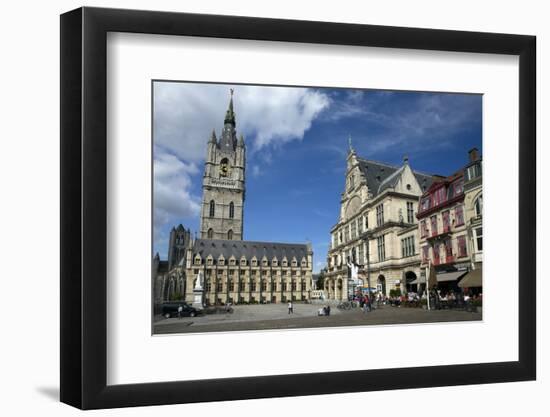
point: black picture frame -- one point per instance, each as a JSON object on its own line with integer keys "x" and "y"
{"x": 84, "y": 207}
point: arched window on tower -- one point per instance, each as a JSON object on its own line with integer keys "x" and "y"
{"x": 231, "y": 210}
{"x": 230, "y": 235}
{"x": 212, "y": 208}
{"x": 210, "y": 234}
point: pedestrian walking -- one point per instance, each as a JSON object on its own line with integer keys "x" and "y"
{"x": 290, "y": 308}
{"x": 328, "y": 310}
{"x": 180, "y": 310}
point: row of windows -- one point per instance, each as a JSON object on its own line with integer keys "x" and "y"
{"x": 446, "y": 220}
{"x": 255, "y": 286}
{"x": 231, "y": 273}
{"x": 356, "y": 226}
{"x": 212, "y": 209}
{"x": 253, "y": 262}
{"x": 448, "y": 250}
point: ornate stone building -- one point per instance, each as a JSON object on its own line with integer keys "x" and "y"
{"x": 377, "y": 226}
{"x": 250, "y": 272}
{"x": 234, "y": 270}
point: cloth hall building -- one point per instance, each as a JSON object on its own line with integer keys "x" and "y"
{"x": 234, "y": 270}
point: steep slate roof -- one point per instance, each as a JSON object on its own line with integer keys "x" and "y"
{"x": 381, "y": 176}
{"x": 249, "y": 249}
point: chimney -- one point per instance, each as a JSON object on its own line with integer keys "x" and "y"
{"x": 474, "y": 154}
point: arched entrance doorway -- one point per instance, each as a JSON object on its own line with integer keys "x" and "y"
{"x": 410, "y": 276}
{"x": 381, "y": 284}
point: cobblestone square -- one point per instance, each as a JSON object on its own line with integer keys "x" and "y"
{"x": 275, "y": 316}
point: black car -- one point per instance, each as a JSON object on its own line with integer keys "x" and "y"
{"x": 171, "y": 309}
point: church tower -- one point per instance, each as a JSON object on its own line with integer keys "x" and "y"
{"x": 223, "y": 187}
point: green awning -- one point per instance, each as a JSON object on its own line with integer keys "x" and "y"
{"x": 471, "y": 279}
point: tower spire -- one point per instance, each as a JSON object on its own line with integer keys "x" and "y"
{"x": 230, "y": 114}
{"x": 213, "y": 138}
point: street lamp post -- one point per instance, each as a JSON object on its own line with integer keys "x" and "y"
{"x": 365, "y": 238}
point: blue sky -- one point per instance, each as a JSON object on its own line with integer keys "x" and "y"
{"x": 297, "y": 142}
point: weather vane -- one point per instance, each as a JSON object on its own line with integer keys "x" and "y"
{"x": 231, "y": 90}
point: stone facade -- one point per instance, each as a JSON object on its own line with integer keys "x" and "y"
{"x": 377, "y": 228}
{"x": 250, "y": 272}
{"x": 224, "y": 184}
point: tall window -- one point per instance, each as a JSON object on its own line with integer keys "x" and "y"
{"x": 210, "y": 234}
{"x": 219, "y": 286}
{"x": 353, "y": 229}
{"x": 231, "y": 210}
{"x": 478, "y": 205}
{"x": 381, "y": 248}
{"x": 380, "y": 215}
{"x": 273, "y": 286}
{"x": 423, "y": 229}
{"x": 461, "y": 240}
{"x": 459, "y": 215}
{"x": 458, "y": 188}
{"x": 212, "y": 211}
{"x": 433, "y": 221}
{"x": 407, "y": 246}
{"x": 425, "y": 253}
{"x": 230, "y": 235}
{"x": 360, "y": 224}
{"x": 367, "y": 221}
{"x": 436, "y": 253}
{"x": 479, "y": 238}
{"x": 264, "y": 285}
{"x": 253, "y": 286}
{"x": 425, "y": 203}
{"x": 361, "y": 254}
{"x": 410, "y": 212}
{"x": 448, "y": 250}
{"x": 446, "y": 221}
{"x": 241, "y": 285}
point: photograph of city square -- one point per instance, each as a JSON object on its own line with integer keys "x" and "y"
{"x": 281, "y": 207}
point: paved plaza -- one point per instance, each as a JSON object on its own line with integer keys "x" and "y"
{"x": 275, "y": 316}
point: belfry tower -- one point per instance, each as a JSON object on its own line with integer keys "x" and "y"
{"x": 223, "y": 186}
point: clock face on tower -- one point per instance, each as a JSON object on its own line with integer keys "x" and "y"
{"x": 224, "y": 168}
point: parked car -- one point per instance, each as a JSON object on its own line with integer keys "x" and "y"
{"x": 171, "y": 309}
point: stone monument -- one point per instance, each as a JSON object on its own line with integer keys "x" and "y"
{"x": 198, "y": 292}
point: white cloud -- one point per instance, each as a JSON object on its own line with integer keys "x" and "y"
{"x": 172, "y": 183}
{"x": 186, "y": 113}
